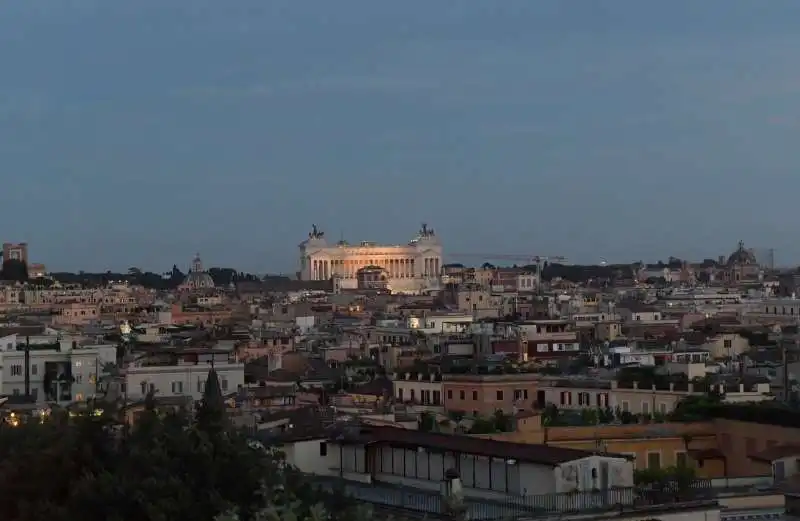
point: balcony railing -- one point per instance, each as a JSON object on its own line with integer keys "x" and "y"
{"x": 420, "y": 501}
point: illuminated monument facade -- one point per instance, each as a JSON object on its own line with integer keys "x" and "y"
{"x": 407, "y": 268}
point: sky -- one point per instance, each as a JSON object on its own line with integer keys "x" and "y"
{"x": 139, "y": 133}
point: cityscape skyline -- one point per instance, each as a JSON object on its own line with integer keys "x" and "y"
{"x": 628, "y": 131}
{"x": 764, "y": 257}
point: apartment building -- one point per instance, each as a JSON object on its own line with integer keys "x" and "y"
{"x": 418, "y": 387}
{"x": 488, "y": 469}
{"x": 548, "y": 331}
{"x": 484, "y": 394}
{"x": 639, "y": 398}
{"x": 639, "y": 313}
{"x": 774, "y": 310}
{"x": 433, "y": 323}
{"x": 648, "y": 445}
{"x": 56, "y": 373}
{"x": 75, "y": 314}
{"x": 478, "y": 301}
{"x": 186, "y": 314}
{"x": 182, "y": 374}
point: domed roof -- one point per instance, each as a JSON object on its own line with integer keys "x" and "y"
{"x": 742, "y": 256}
{"x": 197, "y": 278}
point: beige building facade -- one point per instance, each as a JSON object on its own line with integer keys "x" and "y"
{"x": 409, "y": 268}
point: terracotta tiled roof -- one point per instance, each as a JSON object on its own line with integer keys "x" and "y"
{"x": 532, "y": 453}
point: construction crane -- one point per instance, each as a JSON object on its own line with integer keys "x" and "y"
{"x": 538, "y": 260}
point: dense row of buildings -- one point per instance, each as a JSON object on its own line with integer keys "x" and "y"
{"x": 387, "y": 370}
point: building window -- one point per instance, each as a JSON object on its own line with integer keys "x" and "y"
{"x": 653, "y": 460}
{"x": 201, "y": 384}
{"x": 16, "y": 370}
{"x": 626, "y": 406}
{"x": 449, "y": 394}
{"x": 78, "y": 378}
{"x": 224, "y": 384}
{"x": 462, "y": 395}
{"x": 15, "y": 392}
{"x": 500, "y": 395}
{"x": 728, "y": 344}
{"x": 662, "y": 408}
{"x": 34, "y": 369}
{"x": 144, "y": 387}
{"x": 645, "y": 407}
{"x": 323, "y": 448}
{"x": 177, "y": 387}
{"x": 474, "y": 395}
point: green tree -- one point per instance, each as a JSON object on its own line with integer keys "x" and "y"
{"x": 550, "y": 415}
{"x": 502, "y": 421}
{"x": 696, "y": 407}
{"x": 166, "y": 467}
{"x": 482, "y": 426}
{"x": 211, "y": 410}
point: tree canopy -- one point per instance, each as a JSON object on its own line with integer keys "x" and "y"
{"x": 168, "y": 281}
{"x": 165, "y": 467}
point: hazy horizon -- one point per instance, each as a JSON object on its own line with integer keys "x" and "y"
{"x": 140, "y": 133}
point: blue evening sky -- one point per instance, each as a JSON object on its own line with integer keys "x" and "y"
{"x": 135, "y": 133}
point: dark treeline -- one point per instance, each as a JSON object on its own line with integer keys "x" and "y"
{"x": 14, "y": 270}
{"x": 584, "y": 273}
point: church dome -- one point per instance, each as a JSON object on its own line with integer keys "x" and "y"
{"x": 741, "y": 256}
{"x": 197, "y": 278}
